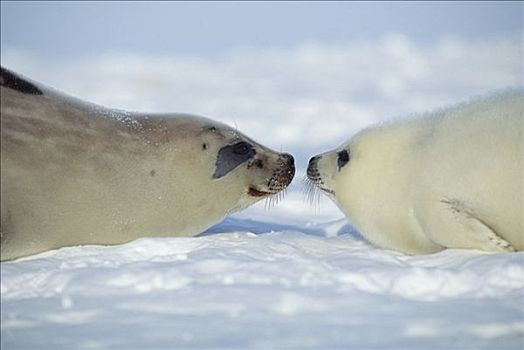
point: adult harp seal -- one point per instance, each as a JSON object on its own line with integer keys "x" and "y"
{"x": 74, "y": 173}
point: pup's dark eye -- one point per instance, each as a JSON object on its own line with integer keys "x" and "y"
{"x": 343, "y": 158}
{"x": 241, "y": 148}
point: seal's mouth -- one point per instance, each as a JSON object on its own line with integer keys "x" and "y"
{"x": 327, "y": 190}
{"x": 257, "y": 193}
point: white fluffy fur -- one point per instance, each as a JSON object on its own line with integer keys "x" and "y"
{"x": 449, "y": 179}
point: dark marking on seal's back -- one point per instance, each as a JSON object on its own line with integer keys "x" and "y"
{"x": 12, "y": 81}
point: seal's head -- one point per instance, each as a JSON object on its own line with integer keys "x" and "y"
{"x": 324, "y": 169}
{"x": 370, "y": 170}
{"x": 262, "y": 171}
{"x": 233, "y": 168}
{"x": 370, "y": 178}
{"x": 268, "y": 172}
{"x": 354, "y": 174}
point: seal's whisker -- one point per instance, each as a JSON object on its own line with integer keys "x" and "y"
{"x": 282, "y": 194}
{"x": 269, "y": 202}
{"x": 274, "y": 199}
{"x": 311, "y": 191}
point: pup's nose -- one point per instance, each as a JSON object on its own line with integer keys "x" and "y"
{"x": 312, "y": 168}
{"x": 313, "y": 162}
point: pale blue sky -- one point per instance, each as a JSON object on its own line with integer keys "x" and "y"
{"x": 208, "y": 28}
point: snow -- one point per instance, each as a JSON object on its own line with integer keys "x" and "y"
{"x": 293, "y": 274}
{"x": 256, "y": 284}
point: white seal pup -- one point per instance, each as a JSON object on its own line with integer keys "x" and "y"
{"x": 73, "y": 173}
{"x": 449, "y": 179}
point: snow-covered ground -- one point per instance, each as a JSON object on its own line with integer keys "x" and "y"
{"x": 262, "y": 284}
{"x": 292, "y": 276}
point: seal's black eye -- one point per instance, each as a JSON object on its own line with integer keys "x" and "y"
{"x": 343, "y": 158}
{"x": 241, "y": 148}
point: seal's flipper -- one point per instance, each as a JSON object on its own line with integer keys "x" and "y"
{"x": 466, "y": 227}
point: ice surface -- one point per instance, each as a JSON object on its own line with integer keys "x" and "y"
{"x": 262, "y": 283}
{"x": 297, "y": 275}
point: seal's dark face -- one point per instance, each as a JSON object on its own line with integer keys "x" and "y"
{"x": 267, "y": 172}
